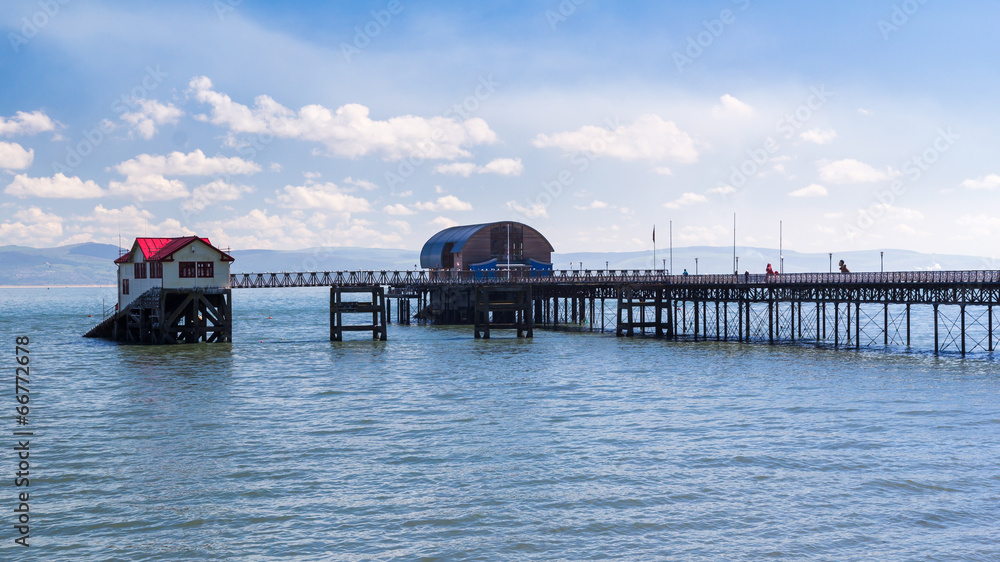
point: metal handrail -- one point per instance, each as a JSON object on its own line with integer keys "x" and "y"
{"x": 428, "y": 277}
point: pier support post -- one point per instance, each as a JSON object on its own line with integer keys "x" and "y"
{"x": 935, "y": 328}
{"x": 376, "y": 307}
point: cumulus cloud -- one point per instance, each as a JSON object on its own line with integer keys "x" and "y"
{"x": 363, "y": 184}
{"x": 850, "y": 170}
{"x": 443, "y": 222}
{"x": 818, "y": 136}
{"x": 398, "y": 209}
{"x": 991, "y": 181}
{"x": 149, "y": 114}
{"x": 731, "y": 108}
{"x": 649, "y": 137}
{"x": 534, "y": 211}
{"x": 402, "y": 226}
{"x": 686, "y": 199}
{"x": 26, "y": 124}
{"x": 348, "y": 131}
{"x": 595, "y": 204}
{"x": 814, "y": 190}
{"x": 152, "y": 187}
{"x": 321, "y": 196}
{"x": 464, "y": 169}
{"x": 722, "y": 190}
{"x": 213, "y": 192}
{"x": 14, "y": 157}
{"x": 444, "y": 203}
{"x": 191, "y": 164}
{"x": 663, "y": 171}
{"x": 499, "y": 166}
{"x": 31, "y": 226}
{"x": 57, "y": 186}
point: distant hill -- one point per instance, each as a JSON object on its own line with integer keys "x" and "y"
{"x": 92, "y": 264}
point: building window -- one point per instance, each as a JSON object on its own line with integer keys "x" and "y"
{"x": 206, "y": 269}
{"x": 186, "y": 269}
{"x": 140, "y": 270}
{"x": 155, "y": 270}
{"x": 124, "y": 286}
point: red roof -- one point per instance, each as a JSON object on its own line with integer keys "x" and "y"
{"x": 160, "y": 249}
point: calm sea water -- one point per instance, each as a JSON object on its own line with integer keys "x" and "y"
{"x": 437, "y": 446}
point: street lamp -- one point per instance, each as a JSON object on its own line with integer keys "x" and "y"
{"x": 664, "y": 264}
{"x": 696, "y": 266}
{"x": 737, "y": 265}
{"x": 881, "y": 261}
{"x": 831, "y": 262}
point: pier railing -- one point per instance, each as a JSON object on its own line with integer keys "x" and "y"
{"x": 425, "y": 277}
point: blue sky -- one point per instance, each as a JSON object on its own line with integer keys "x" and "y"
{"x": 858, "y": 125}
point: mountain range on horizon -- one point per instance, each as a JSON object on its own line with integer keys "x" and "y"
{"x": 93, "y": 263}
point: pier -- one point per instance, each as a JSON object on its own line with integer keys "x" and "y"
{"x": 853, "y": 310}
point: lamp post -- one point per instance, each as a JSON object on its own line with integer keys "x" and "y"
{"x": 696, "y": 266}
{"x": 737, "y": 265}
{"x": 831, "y": 262}
{"x": 881, "y": 261}
{"x": 606, "y": 268}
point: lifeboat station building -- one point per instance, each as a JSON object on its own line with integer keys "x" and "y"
{"x": 487, "y": 247}
{"x": 171, "y": 290}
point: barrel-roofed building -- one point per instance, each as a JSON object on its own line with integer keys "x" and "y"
{"x": 487, "y": 246}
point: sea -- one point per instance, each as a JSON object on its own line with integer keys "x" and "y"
{"x": 434, "y": 445}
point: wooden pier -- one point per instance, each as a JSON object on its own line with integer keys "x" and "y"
{"x": 376, "y": 306}
{"x": 854, "y": 310}
{"x": 164, "y": 316}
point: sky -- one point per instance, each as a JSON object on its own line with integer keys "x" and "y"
{"x": 855, "y": 125}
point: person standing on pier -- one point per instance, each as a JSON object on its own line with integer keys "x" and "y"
{"x": 843, "y": 267}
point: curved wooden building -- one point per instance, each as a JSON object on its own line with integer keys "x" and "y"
{"x": 486, "y": 246}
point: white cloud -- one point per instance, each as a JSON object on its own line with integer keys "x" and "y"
{"x": 212, "y": 192}
{"x": 818, "y": 136}
{"x": 722, "y": 190}
{"x": 105, "y": 224}
{"x": 865, "y": 112}
{"x": 26, "y": 124}
{"x": 443, "y": 222}
{"x": 347, "y": 131}
{"x": 14, "y": 157}
{"x": 402, "y": 226}
{"x": 536, "y": 210}
{"x": 852, "y": 171}
{"x": 499, "y": 166}
{"x": 32, "y": 226}
{"x": 464, "y": 169}
{"x": 180, "y": 164}
{"x": 275, "y": 167}
{"x": 649, "y": 137}
{"x": 363, "y": 184}
{"x": 398, "y": 209}
{"x": 595, "y": 204}
{"x": 686, "y": 199}
{"x": 57, "y": 186}
{"x": 503, "y": 167}
{"x": 814, "y": 190}
{"x": 149, "y": 114}
{"x": 991, "y": 181}
{"x": 152, "y": 187}
{"x": 444, "y": 203}
{"x": 321, "y": 196}
{"x": 663, "y": 171}
{"x": 732, "y": 108}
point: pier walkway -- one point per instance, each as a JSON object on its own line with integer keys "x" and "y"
{"x": 867, "y": 309}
